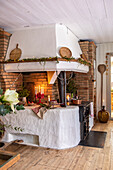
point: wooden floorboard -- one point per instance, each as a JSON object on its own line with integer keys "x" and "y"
{"x": 77, "y": 158}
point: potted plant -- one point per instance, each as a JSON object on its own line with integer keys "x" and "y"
{"x": 71, "y": 88}
{"x": 23, "y": 94}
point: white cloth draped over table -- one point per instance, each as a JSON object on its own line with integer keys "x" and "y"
{"x": 59, "y": 129}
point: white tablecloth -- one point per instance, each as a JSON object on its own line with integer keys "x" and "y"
{"x": 59, "y": 129}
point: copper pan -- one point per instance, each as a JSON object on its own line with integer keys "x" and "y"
{"x": 77, "y": 101}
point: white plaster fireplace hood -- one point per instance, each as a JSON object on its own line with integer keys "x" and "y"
{"x": 44, "y": 41}
{"x": 48, "y": 66}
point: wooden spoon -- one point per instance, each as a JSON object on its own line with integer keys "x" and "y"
{"x": 101, "y": 69}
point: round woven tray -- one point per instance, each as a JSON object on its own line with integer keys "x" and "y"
{"x": 65, "y": 52}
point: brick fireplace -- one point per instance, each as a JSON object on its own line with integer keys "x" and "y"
{"x": 6, "y": 79}
{"x": 34, "y": 80}
{"x": 85, "y": 81}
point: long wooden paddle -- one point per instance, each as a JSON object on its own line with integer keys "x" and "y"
{"x": 101, "y": 69}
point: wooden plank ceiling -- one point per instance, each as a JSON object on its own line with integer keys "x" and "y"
{"x": 88, "y": 19}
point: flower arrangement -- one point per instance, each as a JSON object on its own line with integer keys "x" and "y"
{"x": 39, "y": 96}
{"x": 8, "y": 102}
{"x": 82, "y": 61}
{"x": 44, "y": 59}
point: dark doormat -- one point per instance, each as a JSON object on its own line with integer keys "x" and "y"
{"x": 94, "y": 139}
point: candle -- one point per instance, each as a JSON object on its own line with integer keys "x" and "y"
{"x": 48, "y": 98}
{"x": 39, "y": 88}
{"x": 35, "y": 90}
{"x": 42, "y": 90}
{"x": 67, "y": 97}
{"x": 103, "y": 102}
{"x": 68, "y": 103}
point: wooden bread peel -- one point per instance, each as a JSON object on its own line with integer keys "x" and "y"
{"x": 15, "y": 54}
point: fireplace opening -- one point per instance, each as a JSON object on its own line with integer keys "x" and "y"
{"x": 36, "y": 82}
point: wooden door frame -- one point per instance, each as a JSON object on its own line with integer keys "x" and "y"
{"x": 108, "y": 85}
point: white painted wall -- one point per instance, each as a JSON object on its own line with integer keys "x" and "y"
{"x": 102, "y": 49}
{"x": 44, "y": 41}
{"x": 65, "y": 38}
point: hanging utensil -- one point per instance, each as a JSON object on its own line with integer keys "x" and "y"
{"x": 15, "y": 54}
{"x": 103, "y": 115}
{"x": 101, "y": 69}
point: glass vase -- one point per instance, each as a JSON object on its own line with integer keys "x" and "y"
{"x": 103, "y": 115}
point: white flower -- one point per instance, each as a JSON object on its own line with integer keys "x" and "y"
{"x": 11, "y": 96}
